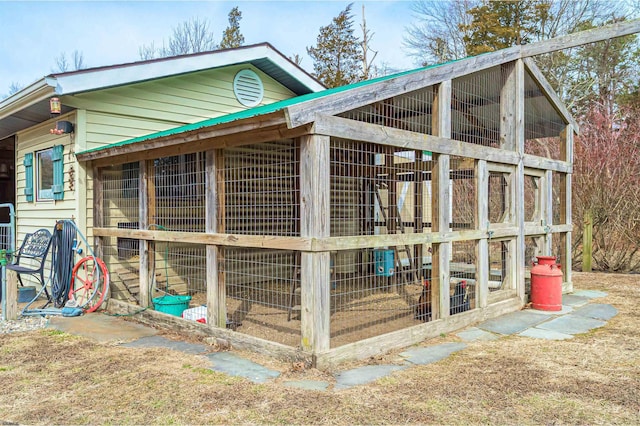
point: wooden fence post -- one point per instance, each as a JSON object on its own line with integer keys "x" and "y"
{"x": 587, "y": 240}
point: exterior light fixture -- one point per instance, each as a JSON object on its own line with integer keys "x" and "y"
{"x": 55, "y": 107}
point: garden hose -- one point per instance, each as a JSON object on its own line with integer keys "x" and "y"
{"x": 62, "y": 261}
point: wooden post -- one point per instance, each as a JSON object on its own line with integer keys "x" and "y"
{"x": 566, "y": 147}
{"x": 314, "y": 222}
{"x": 547, "y": 212}
{"x": 482, "y": 223}
{"x": 587, "y": 241}
{"x": 512, "y": 138}
{"x": 418, "y": 220}
{"x": 98, "y": 210}
{"x": 11, "y": 295}
{"x": 441, "y": 202}
{"x": 147, "y": 201}
{"x": 214, "y": 222}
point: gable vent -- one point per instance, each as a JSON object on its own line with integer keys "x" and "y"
{"x": 248, "y": 88}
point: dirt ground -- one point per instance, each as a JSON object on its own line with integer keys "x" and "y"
{"x": 50, "y": 377}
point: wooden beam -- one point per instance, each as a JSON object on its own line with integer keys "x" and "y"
{"x": 10, "y": 297}
{"x": 517, "y": 248}
{"x": 619, "y": 29}
{"x": 373, "y": 91}
{"x": 357, "y": 130}
{"x": 216, "y": 292}
{"x": 547, "y": 212}
{"x": 548, "y": 91}
{"x": 441, "y": 203}
{"x": 230, "y": 240}
{"x": 168, "y": 148}
{"x": 315, "y": 279}
{"x": 98, "y": 209}
{"x": 146, "y": 178}
{"x": 482, "y": 224}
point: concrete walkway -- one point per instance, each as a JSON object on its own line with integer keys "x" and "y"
{"x": 577, "y": 316}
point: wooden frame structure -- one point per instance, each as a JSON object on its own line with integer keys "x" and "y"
{"x": 519, "y": 103}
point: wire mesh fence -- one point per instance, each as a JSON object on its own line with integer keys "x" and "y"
{"x": 263, "y": 293}
{"x": 378, "y": 295}
{"x": 462, "y": 291}
{"x": 499, "y": 197}
{"x": 475, "y": 107}
{"x": 498, "y": 265}
{"x": 463, "y": 193}
{"x": 409, "y": 111}
{"x": 532, "y": 198}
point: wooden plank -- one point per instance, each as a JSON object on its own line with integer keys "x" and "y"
{"x": 306, "y": 112}
{"x": 517, "y": 260}
{"x": 236, "y": 339}
{"x": 314, "y": 222}
{"x": 547, "y": 211}
{"x": 410, "y": 336}
{"x": 199, "y": 132}
{"x": 98, "y": 210}
{"x": 548, "y": 91}
{"x": 482, "y": 224}
{"x": 587, "y": 241}
{"x": 367, "y": 132}
{"x": 11, "y": 295}
{"x": 230, "y": 240}
{"x": 542, "y": 163}
{"x": 619, "y": 29}
{"x": 441, "y": 202}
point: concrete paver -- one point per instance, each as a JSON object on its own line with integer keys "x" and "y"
{"x": 514, "y": 322}
{"x": 101, "y": 327}
{"x": 575, "y": 301}
{"x": 364, "y": 375}
{"x": 429, "y": 354}
{"x": 229, "y": 363}
{"x": 163, "y": 342}
{"x": 474, "y": 334}
{"x": 539, "y": 333}
{"x": 591, "y": 294}
{"x": 572, "y": 324}
{"x": 566, "y": 309}
{"x": 597, "y": 311}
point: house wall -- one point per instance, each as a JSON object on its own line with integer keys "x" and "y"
{"x": 33, "y": 215}
{"x": 122, "y": 113}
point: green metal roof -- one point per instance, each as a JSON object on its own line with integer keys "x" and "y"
{"x": 254, "y": 112}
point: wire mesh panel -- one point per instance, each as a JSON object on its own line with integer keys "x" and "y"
{"x": 180, "y": 268}
{"x": 558, "y": 247}
{"x": 498, "y": 264}
{"x": 124, "y": 269}
{"x": 532, "y": 198}
{"x": 120, "y": 186}
{"x": 462, "y": 288}
{"x": 463, "y": 193}
{"x": 261, "y": 187}
{"x": 499, "y": 197}
{"x": 542, "y": 123}
{"x": 475, "y": 107}
{"x": 179, "y": 193}
{"x": 376, "y": 298}
{"x": 558, "y": 183}
{"x": 409, "y": 111}
{"x": 263, "y": 293}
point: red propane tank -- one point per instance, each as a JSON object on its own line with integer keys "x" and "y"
{"x": 546, "y": 284}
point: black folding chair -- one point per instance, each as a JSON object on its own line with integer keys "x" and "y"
{"x": 31, "y": 257}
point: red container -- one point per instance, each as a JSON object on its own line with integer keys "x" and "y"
{"x": 546, "y": 284}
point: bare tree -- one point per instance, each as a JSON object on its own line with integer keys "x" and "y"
{"x": 64, "y": 65}
{"x": 367, "y": 35}
{"x": 192, "y": 36}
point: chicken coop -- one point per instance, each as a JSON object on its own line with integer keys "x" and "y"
{"x": 344, "y": 223}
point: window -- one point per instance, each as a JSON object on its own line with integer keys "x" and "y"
{"x": 49, "y": 173}
{"x": 44, "y": 175}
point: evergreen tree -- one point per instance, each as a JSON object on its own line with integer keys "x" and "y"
{"x": 337, "y": 56}
{"x": 500, "y": 24}
{"x": 232, "y": 37}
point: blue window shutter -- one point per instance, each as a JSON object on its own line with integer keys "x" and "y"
{"x": 28, "y": 176}
{"x": 58, "y": 172}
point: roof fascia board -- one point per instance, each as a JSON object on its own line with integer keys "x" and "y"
{"x": 89, "y": 80}
{"x": 305, "y": 112}
{"x": 36, "y": 92}
{"x": 619, "y": 29}
{"x": 550, "y": 94}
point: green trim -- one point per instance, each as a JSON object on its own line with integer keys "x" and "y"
{"x": 28, "y": 176}
{"x": 257, "y": 111}
{"x": 57, "y": 188}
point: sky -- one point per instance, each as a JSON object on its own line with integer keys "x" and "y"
{"x": 110, "y": 32}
